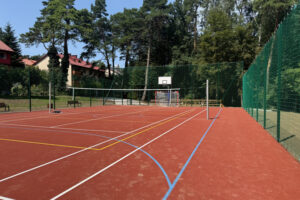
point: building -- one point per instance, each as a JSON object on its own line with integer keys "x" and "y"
{"x": 77, "y": 67}
{"x": 28, "y": 62}
{"x": 5, "y": 54}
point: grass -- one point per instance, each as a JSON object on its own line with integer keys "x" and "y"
{"x": 289, "y": 128}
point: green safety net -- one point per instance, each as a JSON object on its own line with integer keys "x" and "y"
{"x": 271, "y": 86}
{"x": 27, "y": 89}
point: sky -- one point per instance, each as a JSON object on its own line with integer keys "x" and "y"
{"x": 22, "y": 14}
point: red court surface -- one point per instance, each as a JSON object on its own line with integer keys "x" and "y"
{"x": 131, "y": 152}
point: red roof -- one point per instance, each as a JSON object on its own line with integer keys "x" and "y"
{"x": 4, "y": 47}
{"x": 79, "y": 62}
{"x": 28, "y": 62}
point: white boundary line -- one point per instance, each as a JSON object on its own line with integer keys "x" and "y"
{"x": 105, "y": 117}
{"x": 127, "y": 155}
{"x": 71, "y": 129}
{"x": 93, "y": 146}
{"x": 61, "y": 115}
{"x": 5, "y": 198}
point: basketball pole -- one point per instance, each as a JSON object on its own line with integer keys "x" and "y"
{"x": 207, "y": 96}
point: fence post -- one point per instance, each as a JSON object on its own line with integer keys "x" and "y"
{"x": 90, "y": 98}
{"x": 279, "y": 63}
{"x": 54, "y": 96}
{"x": 74, "y": 97}
{"x": 29, "y": 89}
{"x": 103, "y": 95}
{"x": 265, "y": 97}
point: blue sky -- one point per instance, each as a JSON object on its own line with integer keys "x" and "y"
{"x": 21, "y": 14}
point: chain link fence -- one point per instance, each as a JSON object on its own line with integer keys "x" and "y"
{"x": 271, "y": 86}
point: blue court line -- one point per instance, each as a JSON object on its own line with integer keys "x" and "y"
{"x": 102, "y": 136}
{"x": 189, "y": 159}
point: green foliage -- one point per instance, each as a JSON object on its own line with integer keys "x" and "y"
{"x": 18, "y": 90}
{"x": 89, "y": 81}
{"x": 15, "y": 81}
{"x": 9, "y": 38}
{"x": 269, "y": 15}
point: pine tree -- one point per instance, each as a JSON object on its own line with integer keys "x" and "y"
{"x": 9, "y": 38}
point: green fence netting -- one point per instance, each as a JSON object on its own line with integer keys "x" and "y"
{"x": 225, "y": 82}
{"x": 27, "y": 89}
{"x": 271, "y": 86}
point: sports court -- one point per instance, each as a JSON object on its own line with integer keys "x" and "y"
{"x": 196, "y": 112}
{"x": 136, "y": 152}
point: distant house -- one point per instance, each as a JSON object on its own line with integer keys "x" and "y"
{"x": 77, "y": 67}
{"x": 28, "y": 62}
{"x": 5, "y": 53}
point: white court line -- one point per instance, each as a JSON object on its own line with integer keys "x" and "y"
{"x": 127, "y": 155}
{"x": 74, "y": 129}
{"x": 5, "y": 198}
{"x": 61, "y": 115}
{"x": 89, "y": 120}
{"x": 77, "y": 152}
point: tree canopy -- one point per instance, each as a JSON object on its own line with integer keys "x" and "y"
{"x": 160, "y": 32}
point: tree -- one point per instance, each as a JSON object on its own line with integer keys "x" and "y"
{"x": 68, "y": 12}
{"x": 9, "y": 38}
{"x": 192, "y": 12}
{"x": 180, "y": 34}
{"x": 126, "y": 28}
{"x": 155, "y": 13}
{"x": 269, "y": 15}
{"x": 54, "y": 28}
{"x": 99, "y": 37}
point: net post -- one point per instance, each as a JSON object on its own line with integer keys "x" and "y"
{"x": 49, "y": 96}
{"x": 207, "y": 97}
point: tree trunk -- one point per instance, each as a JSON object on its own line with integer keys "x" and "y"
{"x": 113, "y": 58}
{"x": 107, "y": 62}
{"x": 270, "y": 61}
{"x": 65, "y": 61}
{"x": 146, "y": 73}
{"x": 195, "y": 29}
{"x": 127, "y": 58}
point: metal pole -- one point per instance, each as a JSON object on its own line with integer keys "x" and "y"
{"x": 74, "y": 98}
{"x": 265, "y": 97}
{"x": 90, "y": 98}
{"x": 50, "y": 97}
{"x": 29, "y": 89}
{"x": 170, "y": 96}
{"x": 207, "y": 97}
{"x": 54, "y": 96}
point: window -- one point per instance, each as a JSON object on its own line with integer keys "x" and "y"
{"x": 2, "y": 55}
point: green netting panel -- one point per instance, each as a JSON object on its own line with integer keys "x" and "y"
{"x": 271, "y": 86}
{"x": 225, "y": 80}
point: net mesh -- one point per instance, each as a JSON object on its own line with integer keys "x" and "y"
{"x": 27, "y": 89}
{"x": 167, "y": 98}
{"x": 271, "y": 86}
{"x": 225, "y": 81}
